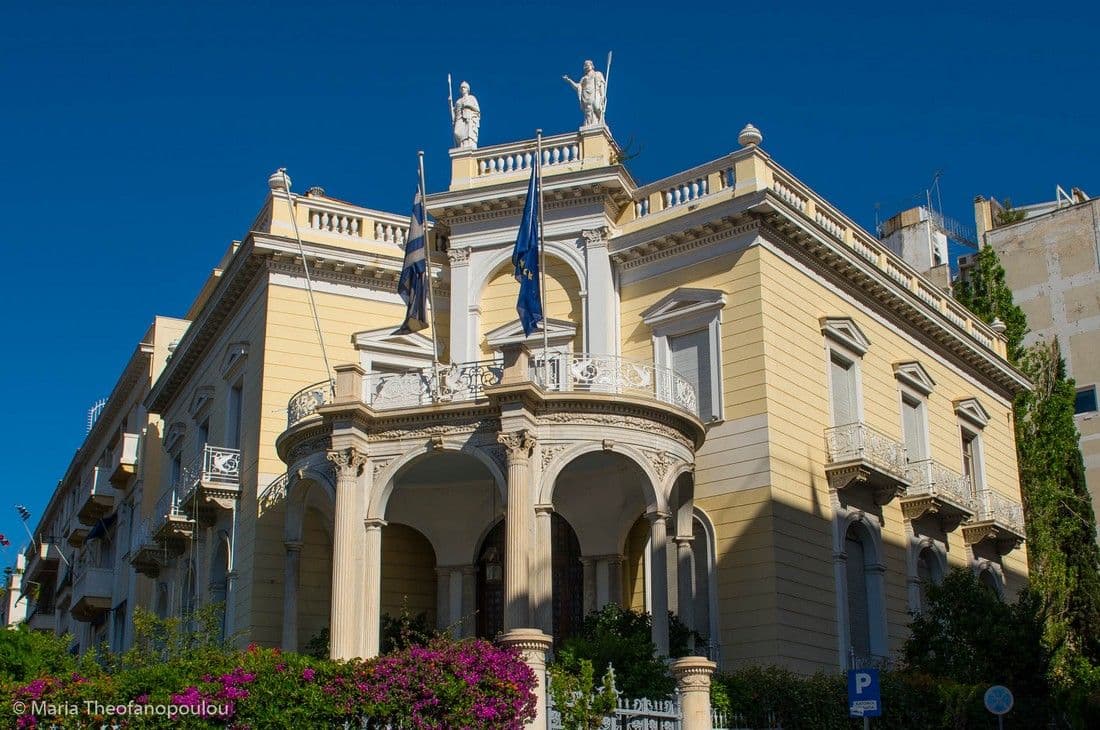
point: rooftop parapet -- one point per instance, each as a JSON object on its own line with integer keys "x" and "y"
{"x": 582, "y": 150}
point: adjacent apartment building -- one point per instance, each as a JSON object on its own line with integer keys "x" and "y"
{"x": 1051, "y": 255}
{"x": 745, "y": 410}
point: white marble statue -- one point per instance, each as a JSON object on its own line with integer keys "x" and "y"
{"x": 591, "y": 93}
{"x": 466, "y": 118}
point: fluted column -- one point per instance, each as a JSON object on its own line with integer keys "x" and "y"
{"x": 442, "y": 598}
{"x": 344, "y": 632}
{"x": 469, "y": 599}
{"x": 544, "y": 574}
{"x": 372, "y": 588}
{"x": 615, "y": 579}
{"x": 685, "y": 591}
{"x": 588, "y": 584}
{"x": 291, "y": 572}
{"x": 517, "y": 530}
{"x": 658, "y": 547}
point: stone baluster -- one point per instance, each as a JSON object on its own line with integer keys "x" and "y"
{"x": 291, "y": 571}
{"x": 658, "y": 546}
{"x": 346, "y": 580}
{"x": 693, "y": 676}
{"x": 517, "y": 567}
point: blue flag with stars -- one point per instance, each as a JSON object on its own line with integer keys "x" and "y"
{"x": 413, "y": 284}
{"x": 525, "y": 257}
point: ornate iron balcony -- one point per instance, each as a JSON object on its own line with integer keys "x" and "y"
{"x": 858, "y": 455}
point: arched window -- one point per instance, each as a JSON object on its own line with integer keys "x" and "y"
{"x": 863, "y": 624}
{"x": 859, "y": 624}
{"x": 929, "y": 572}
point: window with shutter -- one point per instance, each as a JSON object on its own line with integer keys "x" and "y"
{"x": 691, "y": 361}
{"x": 912, "y": 421}
{"x": 843, "y": 391}
{"x": 859, "y": 629}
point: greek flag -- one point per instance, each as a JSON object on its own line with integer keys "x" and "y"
{"x": 525, "y": 257}
{"x": 413, "y": 284}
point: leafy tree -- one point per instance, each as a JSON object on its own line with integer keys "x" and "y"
{"x": 26, "y": 654}
{"x": 985, "y": 293}
{"x": 1007, "y": 214}
{"x": 620, "y": 639}
{"x": 581, "y": 704}
{"x": 1061, "y": 528}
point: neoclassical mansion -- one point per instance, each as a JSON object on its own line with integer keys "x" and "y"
{"x": 747, "y": 411}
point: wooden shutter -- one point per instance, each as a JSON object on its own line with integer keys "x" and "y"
{"x": 842, "y": 376}
{"x": 912, "y": 421}
{"x": 691, "y": 360}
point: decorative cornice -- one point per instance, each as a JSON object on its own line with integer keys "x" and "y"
{"x": 676, "y": 245}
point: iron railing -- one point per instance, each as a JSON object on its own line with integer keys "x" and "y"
{"x": 586, "y": 372}
{"x": 928, "y": 477}
{"x": 857, "y": 441}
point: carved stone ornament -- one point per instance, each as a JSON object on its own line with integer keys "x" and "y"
{"x": 630, "y": 422}
{"x": 349, "y": 462}
{"x": 661, "y": 461}
{"x": 519, "y": 444}
{"x": 458, "y": 256}
{"x": 381, "y": 464}
{"x": 550, "y": 452}
{"x": 594, "y": 237}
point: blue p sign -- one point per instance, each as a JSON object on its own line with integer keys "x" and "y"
{"x": 863, "y": 693}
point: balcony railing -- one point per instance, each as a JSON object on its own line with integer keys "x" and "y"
{"x": 995, "y": 507}
{"x": 97, "y": 496}
{"x": 929, "y": 478}
{"x": 304, "y": 403}
{"x": 91, "y": 592}
{"x": 446, "y": 384}
{"x": 859, "y": 442}
{"x": 584, "y": 372}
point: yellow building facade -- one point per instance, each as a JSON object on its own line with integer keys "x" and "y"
{"x": 745, "y": 410}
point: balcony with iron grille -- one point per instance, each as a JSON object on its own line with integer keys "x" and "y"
{"x": 211, "y": 483}
{"x": 146, "y": 554}
{"x": 92, "y": 588}
{"x": 124, "y": 460}
{"x": 95, "y": 498}
{"x": 936, "y": 490}
{"x": 999, "y": 520}
{"x": 859, "y": 457}
{"x": 169, "y": 526}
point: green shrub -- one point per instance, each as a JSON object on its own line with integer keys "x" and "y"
{"x": 581, "y": 705}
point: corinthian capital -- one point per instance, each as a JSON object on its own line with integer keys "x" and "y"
{"x": 349, "y": 462}
{"x": 458, "y": 256}
{"x": 594, "y": 237}
{"x": 519, "y": 444}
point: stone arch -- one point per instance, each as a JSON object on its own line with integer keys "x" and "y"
{"x": 991, "y": 576}
{"x": 387, "y": 476}
{"x": 564, "y": 279}
{"x": 569, "y": 255}
{"x": 706, "y": 563}
{"x": 655, "y": 498}
{"x": 312, "y": 488}
{"x": 219, "y": 575}
{"x": 861, "y": 590}
{"x": 409, "y": 561}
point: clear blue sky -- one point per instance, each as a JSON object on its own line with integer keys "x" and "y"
{"x": 136, "y": 137}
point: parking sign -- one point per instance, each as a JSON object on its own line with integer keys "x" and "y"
{"x": 864, "y": 698}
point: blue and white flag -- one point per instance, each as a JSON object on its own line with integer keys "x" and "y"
{"x": 413, "y": 284}
{"x": 525, "y": 257}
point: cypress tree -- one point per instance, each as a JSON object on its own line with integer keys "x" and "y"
{"x": 1061, "y": 527}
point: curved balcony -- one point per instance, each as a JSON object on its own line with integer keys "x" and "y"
{"x": 211, "y": 483}
{"x": 937, "y": 490}
{"x": 305, "y": 402}
{"x": 859, "y": 455}
{"x": 585, "y": 372}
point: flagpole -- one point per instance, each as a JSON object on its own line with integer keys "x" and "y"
{"x": 542, "y": 266}
{"x": 428, "y": 274}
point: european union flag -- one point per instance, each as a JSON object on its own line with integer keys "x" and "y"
{"x": 525, "y": 257}
{"x": 413, "y": 284}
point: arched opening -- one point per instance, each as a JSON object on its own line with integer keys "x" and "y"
{"x": 561, "y": 301}
{"x": 219, "y": 570}
{"x": 929, "y": 572}
{"x": 567, "y": 599}
{"x": 314, "y": 570}
{"x": 439, "y": 507}
{"x": 990, "y": 581}
{"x": 706, "y": 615}
{"x": 866, "y": 629}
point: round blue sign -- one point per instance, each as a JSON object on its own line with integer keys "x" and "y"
{"x": 998, "y": 699}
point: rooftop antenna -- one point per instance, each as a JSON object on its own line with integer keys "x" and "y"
{"x": 93, "y": 413}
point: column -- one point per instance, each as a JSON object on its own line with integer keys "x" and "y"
{"x": 693, "y": 675}
{"x": 291, "y": 570}
{"x": 230, "y": 602}
{"x": 615, "y": 579}
{"x": 588, "y": 584}
{"x": 372, "y": 585}
{"x": 469, "y": 600}
{"x": 461, "y": 324}
{"x": 601, "y": 322}
{"x": 658, "y": 547}
{"x": 517, "y": 530}
{"x": 344, "y": 625}
{"x": 685, "y": 591}
{"x": 544, "y": 573}
{"x": 442, "y": 598}
{"x": 533, "y": 645}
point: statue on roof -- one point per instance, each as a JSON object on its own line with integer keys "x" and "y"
{"x": 592, "y": 93}
{"x": 465, "y": 116}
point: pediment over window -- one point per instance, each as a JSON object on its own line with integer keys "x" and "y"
{"x": 174, "y": 435}
{"x": 972, "y": 410}
{"x": 844, "y": 331}
{"x": 913, "y": 374}
{"x": 235, "y": 355}
{"x": 410, "y": 344}
{"x": 202, "y": 398}
{"x": 559, "y": 332}
{"x": 684, "y": 302}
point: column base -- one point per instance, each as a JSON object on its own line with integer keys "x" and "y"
{"x": 533, "y": 645}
